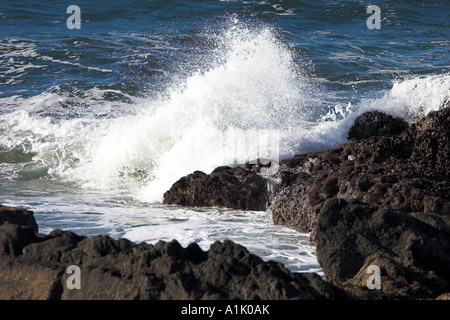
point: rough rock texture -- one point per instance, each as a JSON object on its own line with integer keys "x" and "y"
{"x": 382, "y": 201}
{"x": 236, "y": 188}
{"x": 17, "y": 228}
{"x": 120, "y": 269}
{"x": 408, "y": 172}
{"x": 401, "y": 173}
{"x": 412, "y": 250}
{"x": 375, "y": 123}
{"x": 405, "y": 168}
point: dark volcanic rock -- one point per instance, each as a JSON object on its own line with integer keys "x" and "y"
{"x": 407, "y": 172}
{"x": 402, "y": 168}
{"x": 375, "y": 123}
{"x": 411, "y": 250}
{"x": 120, "y": 269}
{"x": 236, "y": 188}
{"x": 427, "y": 142}
{"x": 18, "y": 216}
{"x": 17, "y": 229}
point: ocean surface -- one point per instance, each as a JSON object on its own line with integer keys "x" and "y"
{"x": 96, "y": 123}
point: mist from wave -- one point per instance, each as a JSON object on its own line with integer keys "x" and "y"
{"x": 139, "y": 146}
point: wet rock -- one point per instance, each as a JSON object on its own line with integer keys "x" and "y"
{"x": 411, "y": 250}
{"x": 236, "y": 188}
{"x": 427, "y": 142}
{"x": 408, "y": 172}
{"x": 17, "y": 229}
{"x": 375, "y": 123}
{"x": 405, "y": 168}
{"x": 120, "y": 269}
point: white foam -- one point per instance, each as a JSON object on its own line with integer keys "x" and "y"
{"x": 247, "y": 228}
{"x": 408, "y": 99}
{"x": 250, "y": 84}
{"x": 413, "y": 98}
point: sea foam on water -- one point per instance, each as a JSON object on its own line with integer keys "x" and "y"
{"x": 251, "y": 99}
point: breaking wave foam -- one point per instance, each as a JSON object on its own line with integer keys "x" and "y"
{"x": 252, "y": 85}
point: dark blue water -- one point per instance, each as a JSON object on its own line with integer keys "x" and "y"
{"x": 97, "y": 123}
{"x": 145, "y": 43}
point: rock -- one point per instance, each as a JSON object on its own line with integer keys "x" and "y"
{"x": 407, "y": 172}
{"x": 412, "y": 250}
{"x": 120, "y": 269}
{"x": 18, "y": 216}
{"x": 236, "y": 188}
{"x": 445, "y": 296}
{"x": 405, "y": 168}
{"x": 427, "y": 142}
{"x": 375, "y": 123}
{"x": 17, "y": 229}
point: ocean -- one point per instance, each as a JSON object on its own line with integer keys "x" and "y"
{"x": 104, "y": 105}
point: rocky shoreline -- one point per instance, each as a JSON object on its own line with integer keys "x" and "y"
{"x": 381, "y": 200}
{"x": 392, "y": 177}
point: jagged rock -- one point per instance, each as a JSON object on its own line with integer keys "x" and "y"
{"x": 428, "y": 141}
{"x": 407, "y": 172}
{"x": 412, "y": 250}
{"x": 375, "y": 123}
{"x": 17, "y": 229}
{"x": 236, "y": 188}
{"x": 406, "y": 169}
{"x": 120, "y": 269}
{"x": 445, "y": 296}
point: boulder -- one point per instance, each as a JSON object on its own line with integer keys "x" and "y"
{"x": 236, "y": 188}
{"x": 411, "y": 250}
{"x": 119, "y": 269}
{"x": 375, "y": 123}
{"x": 408, "y": 172}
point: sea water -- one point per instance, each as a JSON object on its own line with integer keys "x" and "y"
{"x": 96, "y": 123}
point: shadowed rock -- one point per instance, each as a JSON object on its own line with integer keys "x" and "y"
{"x": 120, "y": 269}
{"x": 236, "y": 188}
{"x": 375, "y": 123}
{"x": 17, "y": 229}
{"x": 407, "y": 172}
{"x": 412, "y": 250}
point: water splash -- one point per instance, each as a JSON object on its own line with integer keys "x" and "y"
{"x": 251, "y": 82}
